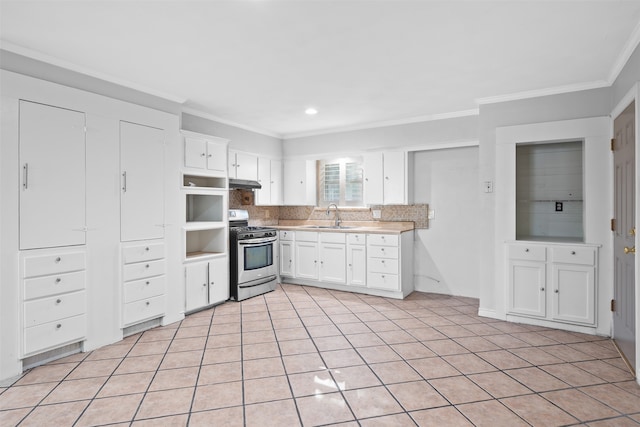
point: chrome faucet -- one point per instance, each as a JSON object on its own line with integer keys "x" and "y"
{"x": 337, "y": 216}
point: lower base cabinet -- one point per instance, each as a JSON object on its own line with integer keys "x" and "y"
{"x": 206, "y": 283}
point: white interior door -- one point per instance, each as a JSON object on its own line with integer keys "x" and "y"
{"x": 624, "y": 331}
{"x": 52, "y": 187}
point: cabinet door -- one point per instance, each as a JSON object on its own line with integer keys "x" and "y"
{"x": 263, "y": 195}
{"x": 195, "y": 152}
{"x": 527, "y": 288}
{"x": 299, "y": 182}
{"x": 142, "y": 175}
{"x": 307, "y": 260}
{"x": 196, "y": 286}
{"x": 287, "y": 261}
{"x": 217, "y": 158}
{"x": 394, "y": 178}
{"x": 276, "y": 182}
{"x": 246, "y": 166}
{"x": 574, "y": 293}
{"x": 52, "y": 160}
{"x": 373, "y": 179}
{"x": 332, "y": 263}
{"x": 356, "y": 265}
{"x": 231, "y": 166}
{"x": 218, "y": 280}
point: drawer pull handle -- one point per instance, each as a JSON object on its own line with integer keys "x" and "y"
{"x": 382, "y": 276}
{"x": 382, "y": 261}
{"x": 147, "y": 283}
{"x": 631, "y": 250}
{"x": 58, "y": 280}
{"x": 526, "y": 250}
{"x": 58, "y": 301}
{"x": 146, "y": 266}
{"x": 147, "y": 249}
{"x": 58, "y": 326}
{"x": 573, "y": 252}
{"x": 58, "y": 259}
{"x": 148, "y": 303}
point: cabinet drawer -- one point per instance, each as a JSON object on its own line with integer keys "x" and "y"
{"x": 145, "y": 288}
{"x": 53, "y": 334}
{"x": 332, "y": 237}
{"x": 53, "y": 264}
{"x": 147, "y": 308}
{"x": 286, "y": 235}
{"x": 306, "y": 236}
{"x": 356, "y": 238}
{"x": 383, "y": 239}
{"x": 141, "y": 270}
{"x": 143, "y": 253}
{"x": 383, "y": 281}
{"x": 52, "y": 285}
{"x": 573, "y": 255}
{"x": 53, "y": 308}
{"x": 382, "y": 252}
{"x": 528, "y": 252}
{"x": 382, "y": 265}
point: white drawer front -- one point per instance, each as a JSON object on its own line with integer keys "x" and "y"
{"x": 286, "y": 235}
{"x": 574, "y": 255}
{"x": 53, "y": 308}
{"x": 332, "y": 238}
{"x": 52, "y": 285}
{"x": 147, "y": 308}
{"x": 145, "y": 288}
{"x": 528, "y": 252}
{"x": 356, "y": 238}
{"x": 382, "y": 252}
{"x": 143, "y": 270}
{"x": 143, "y": 253}
{"x": 54, "y": 334}
{"x": 53, "y": 264}
{"x": 383, "y": 265}
{"x": 383, "y": 281}
{"x": 383, "y": 239}
{"x": 306, "y": 236}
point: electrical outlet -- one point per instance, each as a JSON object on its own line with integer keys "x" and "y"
{"x": 376, "y": 213}
{"x": 431, "y": 214}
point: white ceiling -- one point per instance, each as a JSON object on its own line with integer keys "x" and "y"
{"x": 260, "y": 63}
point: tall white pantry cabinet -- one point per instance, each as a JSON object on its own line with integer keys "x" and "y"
{"x": 88, "y": 230}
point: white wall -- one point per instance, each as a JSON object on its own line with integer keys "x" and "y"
{"x": 446, "y": 255}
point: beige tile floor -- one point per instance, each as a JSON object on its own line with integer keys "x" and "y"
{"x": 308, "y": 356}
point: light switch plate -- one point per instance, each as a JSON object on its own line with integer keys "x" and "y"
{"x": 376, "y": 213}
{"x": 431, "y": 214}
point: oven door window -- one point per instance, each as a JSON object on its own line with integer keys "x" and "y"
{"x": 256, "y": 257}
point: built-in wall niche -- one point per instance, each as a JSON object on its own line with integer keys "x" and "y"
{"x": 204, "y": 207}
{"x": 549, "y": 191}
{"x": 205, "y": 243}
{"x": 210, "y": 182}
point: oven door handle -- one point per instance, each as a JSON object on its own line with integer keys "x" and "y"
{"x": 257, "y": 241}
{"x": 262, "y": 282}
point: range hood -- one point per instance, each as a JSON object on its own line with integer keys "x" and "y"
{"x": 244, "y": 184}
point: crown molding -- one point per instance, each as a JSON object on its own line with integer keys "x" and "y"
{"x": 543, "y": 92}
{"x": 48, "y": 59}
{"x": 208, "y": 116}
{"x": 625, "y": 54}
{"x": 373, "y": 125}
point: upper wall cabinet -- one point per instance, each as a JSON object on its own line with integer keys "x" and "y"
{"x": 205, "y": 153}
{"x": 243, "y": 166}
{"x": 142, "y": 179}
{"x": 270, "y": 177}
{"x": 300, "y": 183}
{"x": 52, "y": 189}
{"x": 386, "y": 178}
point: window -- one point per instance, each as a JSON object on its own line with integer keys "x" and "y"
{"x": 340, "y": 182}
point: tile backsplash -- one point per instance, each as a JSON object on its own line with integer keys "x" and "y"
{"x": 270, "y": 215}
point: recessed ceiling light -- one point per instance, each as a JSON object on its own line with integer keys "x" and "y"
{"x": 311, "y": 111}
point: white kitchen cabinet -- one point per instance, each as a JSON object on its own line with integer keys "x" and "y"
{"x": 332, "y": 255}
{"x": 52, "y": 180}
{"x": 383, "y": 267}
{"x": 287, "y": 253}
{"x": 143, "y": 281}
{"x": 306, "y": 255}
{"x": 207, "y": 283}
{"x": 270, "y": 177}
{"x": 142, "y": 182}
{"x": 386, "y": 178}
{"x": 552, "y": 282}
{"x": 205, "y": 153}
{"x": 356, "y": 260}
{"x": 299, "y": 183}
{"x": 54, "y": 299}
{"x": 243, "y": 165}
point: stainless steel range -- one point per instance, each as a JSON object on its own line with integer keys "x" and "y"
{"x": 252, "y": 250}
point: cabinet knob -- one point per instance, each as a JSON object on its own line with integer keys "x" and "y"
{"x": 350, "y": 265}
{"x": 58, "y": 280}
{"x": 58, "y": 326}
{"x": 212, "y": 283}
{"x": 542, "y": 289}
{"x": 573, "y": 252}
{"x": 202, "y": 154}
{"x": 382, "y": 261}
{"x": 210, "y": 155}
{"x": 147, "y": 249}
{"x": 526, "y": 250}
{"x": 148, "y": 303}
{"x": 386, "y": 177}
{"x": 147, "y": 283}
{"x": 556, "y": 291}
{"x": 58, "y": 259}
{"x": 204, "y": 284}
{"x": 146, "y": 266}
{"x": 58, "y": 301}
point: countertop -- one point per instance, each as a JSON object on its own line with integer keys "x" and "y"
{"x": 370, "y": 227}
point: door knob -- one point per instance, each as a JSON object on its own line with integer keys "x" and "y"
{"x": 631, "y": 250}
